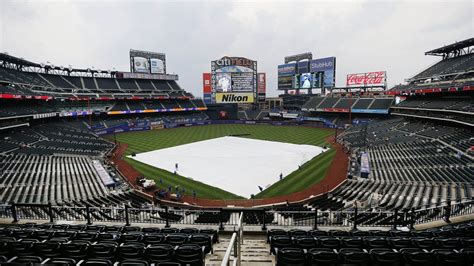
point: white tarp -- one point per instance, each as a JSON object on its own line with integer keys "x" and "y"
{"x": 238, "y": 165}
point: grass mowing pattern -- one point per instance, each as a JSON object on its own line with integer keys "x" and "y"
{"x": 309, "y": 174}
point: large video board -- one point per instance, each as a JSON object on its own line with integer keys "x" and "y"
{"x": 312, "y": 74}
{"x": 147, "y": 62}
{"x": 328, "y": 67}
{"x": 234, "y": 74}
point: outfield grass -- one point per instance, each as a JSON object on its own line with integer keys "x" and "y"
{"x": 309, "y": 174}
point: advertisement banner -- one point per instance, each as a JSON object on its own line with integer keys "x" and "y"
{"x": 318, "y": 80}
{"x": 147, "y": 62}
{"x": 377, "y": 78}
{"x": 157, "y": 66}
{"x": 262, "y": 83}
{"x": 140, "y": 64}
{"x": 287, "y": 69}
{"x": 207, "y": 98}
{"x": 303, "y": 67}
{"x": 285, "y": 82}
{"x": 242, "y": 97}
{"x": 206, "y": 83}
{"x": 262, "y": 87}
{"x": 328, "y": 67}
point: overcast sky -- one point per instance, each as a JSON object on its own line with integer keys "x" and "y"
{"x": 363, "y": 35}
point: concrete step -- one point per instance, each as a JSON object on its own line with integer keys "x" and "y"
{"x": 254, "y": 252}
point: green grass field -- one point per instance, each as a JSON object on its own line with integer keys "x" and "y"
{"x": 309, "y": 174}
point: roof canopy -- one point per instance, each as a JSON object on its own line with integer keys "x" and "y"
{"x": 451, "y": 47}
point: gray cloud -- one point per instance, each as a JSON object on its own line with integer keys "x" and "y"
{"x": 363, "y": 35}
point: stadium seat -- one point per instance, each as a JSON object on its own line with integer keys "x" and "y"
{"x": 104, "y": 251}
{"x": 47, "y": 249}
{"x": 130, "y": 262}
{"x": 74, "y": 250}
{"x": 385, "y": 257}
{"x": 61, "y": 262}
{"x": 297, "y": 232}
{"x": 130, "y": 251}
{"x": 413, "y": 257}
{"x": 318, "y": 233}
{"x": 203, "y": 241}
{"x": 275, "y": 232}
{"x": 399, "y": 242}
{"x": 22, "y": 260}
{"x": 305, "y": 242}
{"x": 176, "y": 239}
{"x": 153, "y": 238}
{"x": 330, "y": 242}
{"x": 170, "y": 230}
{"x": 159, "y": 253}
{"x": 189, "y": 254}
{"x": 352, "y": 242}
{"x": 279, "y": 241}
{"x": 189, "y": 231}
{"x": 468, "y": 254}
{"x": 322, "y": 256}
{"x": 423, "y": 243}
{"x": 130, "y": 237}
{"x": 97, "y": 262}
{"x": 290, "y": 256}
{"x": 376, "y": 242}
{"x": 448, "y": 257}
{"x": 353, "y": 256}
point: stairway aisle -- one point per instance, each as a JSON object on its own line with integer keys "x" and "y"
{"x": 255, "y": 251}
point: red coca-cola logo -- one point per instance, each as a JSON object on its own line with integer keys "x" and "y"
{"x": 370, "y": 78}
{"x": 355, "y": 79}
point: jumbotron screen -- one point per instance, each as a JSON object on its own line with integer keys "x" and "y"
{"x": 234, "y": 82}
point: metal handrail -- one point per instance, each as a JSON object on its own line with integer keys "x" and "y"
{"x": 240, "y": 229}
{"x": 225, "y": 260}
{"x": 235, "y": 244}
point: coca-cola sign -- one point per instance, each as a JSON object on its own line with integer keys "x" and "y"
{"x": 364, "y": 79}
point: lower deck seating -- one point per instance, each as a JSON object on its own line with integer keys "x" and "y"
{"x": 452, "y": 245}
{"x": 65, "y": 244}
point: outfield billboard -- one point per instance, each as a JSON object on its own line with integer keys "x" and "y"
{"x": 235, "y": 97}
{"x": 377, "y": 78}
{"x": 147, "y": 62}
{"x": 287, "y": 69}
{"x": 262, "y": 87}
{"x": 206, "y": 82}
{"x": 328, "y": 67}
{"x": 303, "y": 67}
{"x": 157, "y": 66}
{"x": 285, "y": 82}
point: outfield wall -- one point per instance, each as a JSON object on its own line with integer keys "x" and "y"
{"x": 150, "y": 125}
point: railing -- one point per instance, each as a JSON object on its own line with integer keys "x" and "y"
{"x": 234, "y": 217}
{"x": 234, "y": 245}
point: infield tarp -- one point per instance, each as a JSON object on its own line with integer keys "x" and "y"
{"x": 238, "y": 165}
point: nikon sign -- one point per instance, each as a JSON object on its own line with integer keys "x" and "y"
{"x": 247, "y": 97}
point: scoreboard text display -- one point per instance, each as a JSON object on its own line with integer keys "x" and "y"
{"x": 234, "y": 80}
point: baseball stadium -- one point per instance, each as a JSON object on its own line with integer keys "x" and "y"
{"x": 127, "y": 167}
